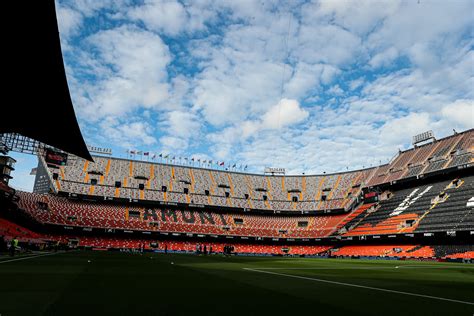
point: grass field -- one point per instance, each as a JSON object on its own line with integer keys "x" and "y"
{"x": 149, "y": 284}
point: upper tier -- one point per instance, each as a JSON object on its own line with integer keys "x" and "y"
{"x": 168, "y": 183}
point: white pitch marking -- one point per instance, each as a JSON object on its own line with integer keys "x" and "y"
{"x": 319, "y": 268}
{"x": 465, "y": 266}
{"x": 361, "y": 286}
{"x": 29, "y": 257}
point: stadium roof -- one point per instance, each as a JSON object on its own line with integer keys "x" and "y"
{"x": 38, "y": 102}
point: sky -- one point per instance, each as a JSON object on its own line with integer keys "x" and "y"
{"x": 310, "y": 86}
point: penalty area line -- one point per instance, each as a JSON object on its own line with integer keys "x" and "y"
{"x": 360, "y": 286}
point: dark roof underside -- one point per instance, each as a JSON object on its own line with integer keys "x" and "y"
{"x": 37, "y": 103}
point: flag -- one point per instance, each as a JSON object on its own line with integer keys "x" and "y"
{"x": 166, "y": 157}
{"x": 146, "y": 153}
{"x": 161, "y": 155}
{"x": 199, "y": 160}
{"x": 210, "y": 161}
{"x": 234, "y": 165}
{"x": 185, "y": 158}
{"x": 192, "y": 159}
{"x": 174, "y": 157}
{"x": 245, "y": 167}
{"x": 139, "y": 152}
{"x": 204, "y": 161}
{"x": 132, "y": 152}
{"x": 154, "y": 156}
{"x": 221, "y": 164}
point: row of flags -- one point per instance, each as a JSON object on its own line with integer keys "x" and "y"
{"x": 185, "y": 160}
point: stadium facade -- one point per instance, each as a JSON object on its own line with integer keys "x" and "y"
{"x": 415, "y": 206}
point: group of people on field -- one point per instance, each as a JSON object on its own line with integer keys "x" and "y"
{"x": 228, "y": 249}
{"x": 203, "y": 249}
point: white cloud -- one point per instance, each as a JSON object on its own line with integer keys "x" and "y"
{"x": 415, "y": 26}
{"x": 335, "y": 90}
{"x": 384, "y": 58}
{"x": 91, "y": 7}
{"x": 131, "y": 73}
{"x": 323, "y": 43}
{"x": 285, "y": 84}
{"x": 278, "y": 119}
{"x": 354, "y": 84}
{"x": 168, "y": 17}
{"x": 179, "y": 129}
{"x": 69, "y": 21}
{"x": 183, "y": 124}
{"x": 228, "y": 92}
{"x": 173, "y": 17}
{"x": 71, "y": 13}
{"x": 286, "y": 112}
{"x": 358, "y": 16}
{"x": 460, "y": 114}
{"x": 396, "y": 131}
{"x": 128, "y": 133}
{"x": 174, "y": 144}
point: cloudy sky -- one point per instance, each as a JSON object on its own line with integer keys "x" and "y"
{"x": 311, "y": 86}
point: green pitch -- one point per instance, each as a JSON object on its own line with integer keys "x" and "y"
{"x": 158, "y": 284}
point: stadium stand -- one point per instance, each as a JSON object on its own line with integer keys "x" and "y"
{"x": 373, "y": 250}
{"x": 25, "y": 235}
{"x": 62, "y": 211}
{"x": 187, "y": 246}
{"x": 130, "y": 179}
{"x": 208, "y": 187}
{"x": 10, "y": 230}
{"x": 407, "y": 251}
{"x": 448, "y": 152}
{"x": 152, "y": 198}
{"x": 439, "y": 206}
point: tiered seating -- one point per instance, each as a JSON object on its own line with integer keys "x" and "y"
{"x": 106, "y": 171}
{"x": 440, "y": 156}
{"x": 339, "y": 189}
{"x": 62, "y": 211}
{"x": 440, "y": 251}
{"x": 447, "y": 152}
{"x": 379, "y": 176}
{"x": 434, "y": 207}
{"x": 372, "y": 250}
{"x": 354, "y": 217}
{"x": 454, "y": 251}
{"x": 419, "y": 252}
{"x": 453, "y": 213}
{"x": 77, "y": 178}
{"x": 12, "y": 230}
{"x": 406, "y": 251}
{"x": 462, "y": 255}
{"x": 462, "y": 153}
{"x": 121, "y": 243}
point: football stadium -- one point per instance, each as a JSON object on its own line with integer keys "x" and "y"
{"x": 157, "y": 232}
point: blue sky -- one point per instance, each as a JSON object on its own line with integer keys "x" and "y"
{"x": 309, "y": 86}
